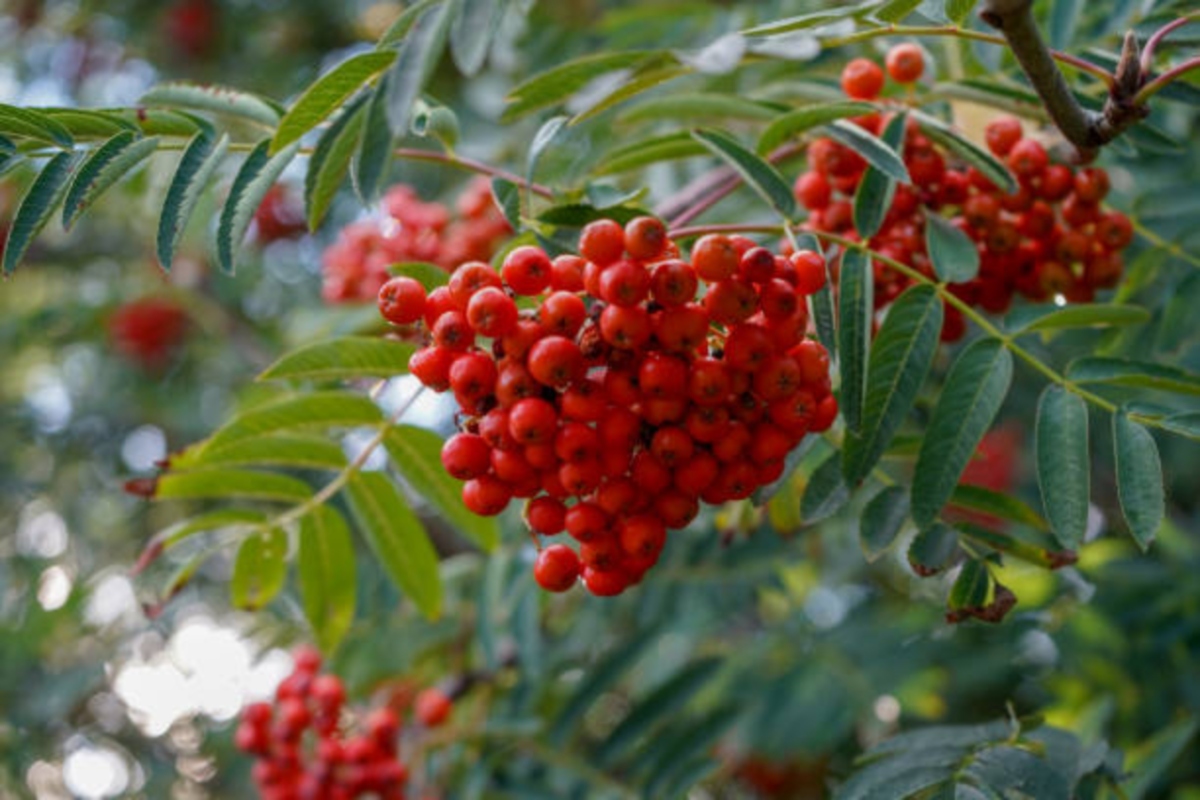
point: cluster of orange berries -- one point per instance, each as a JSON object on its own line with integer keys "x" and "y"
{"x": 1050, "y": 237}
{"x": 328, "y": 764}
{"x": 356, "y": 265}
{"x": 633, "y": 386}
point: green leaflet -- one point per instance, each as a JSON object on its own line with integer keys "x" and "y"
{"x": 1139, "y": 479}
{"x": 257, "y": 174}
{"x": 856, "y": 310}
{"x": 196, "y": 167}
{"x": 260, "y": 569}
{"x": 327, "y": 572}
{"x": 37, "y": 206}
{"x": 760, "y": 175}
{"x": 340, "y": 359}
{"x": 327, "y": 94}
{"x": 108, "y": 164}
{"x": 1063, "y": 463}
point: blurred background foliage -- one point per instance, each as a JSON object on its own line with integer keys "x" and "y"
{"x": 768, "y": 661}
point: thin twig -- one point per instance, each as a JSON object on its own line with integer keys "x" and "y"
{"x": 1160, "y": 81}
{"x": 1147, "y": 61}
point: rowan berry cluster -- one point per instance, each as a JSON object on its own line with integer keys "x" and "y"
{"x": 280, "y": 215}
{"x": 1050, "y": 237}
{"x": 356, "y": 265}
{"x": 328, "y": 763}
{"x": 636, "y": 386}
{"x": 148, "y": 331}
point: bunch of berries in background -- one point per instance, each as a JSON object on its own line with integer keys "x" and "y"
{"x": 280, "y": 215}
{"x": 148, "y": 331}
{"x": 356, "y": 265}
{"x": 304, "y": 750}
{"x": 632, "y": 387}
{"x": 1049, "y": 238}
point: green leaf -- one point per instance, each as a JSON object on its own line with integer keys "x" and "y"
{"x": 327, "y": 572}
{"x": 874, "y": 195}
{"x": 417, "y": 57}
{"x": 787, "y": 126}
{"x": 979, "y": 158}
{"x": 957, "y": 10}
{"x": 1085, "y": 315}
{"x": 598, "y": 678}
{"x": 1185, "y": 424}
{"x": 37, "y": 206}
{"x": 1063, "y": 463}
{"x": 856, "y": 310}
{"x": 971, "y": 587}
{"x": 635, "y": 84}
{"x": 1149, "y": 761}
{"x": 810, "y": 20}
{"x": 668, "y": 699}
{"x": 933, "y": 550}
{"x": 973, "y": 393}
{"x": 761, "y": 176}
{"x": 84, "y": 123}
{"x": 1139, "y": 479}
{"x": 877, "y": 154}
{"x": 370, "y": 166}
{"x": 318, "y": 409}
{"x": 397, "y": 538}
{"x": 256, "y": 176}
{"x": 1033, "y": 547}
{"x": 997, "y": 504}
{"x": 27, "y": 123}
{"x": 196, "y": 167}
{"x": 544, "y": 137}
{"x": 1136, "y": 374}
{"x": 954, "y": 255}
{"x": 901, "y": 356}
{"x": 340, "y": 359}
{"x": 896, "y": 10}
{"x": 328, "y": 93}
{"x": 330, "y": 160}
{"x": 404, "y": 23}
{"x": 472, "y": 32}
{"x": 260, "y": 570}
{"x": 430, "y": 276}
{"x": 1064, "y": 14}
{"x": 285, "y": 450}
{"x": 882, "y": 519}
{"x": 416, "y": 453}
{"x": 826, "y": 493}
{"x": 644, "y": 152}
{"x": 103, "y": 168}
{"x": 508, "y": 199}
{"x": 224, "y": 484}
{"x": 558, "y": 84}
{"x": 216, "y": 99}
{"x": 700, "y": 106}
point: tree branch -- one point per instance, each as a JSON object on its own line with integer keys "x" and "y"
{"x": 1087, "y": 130}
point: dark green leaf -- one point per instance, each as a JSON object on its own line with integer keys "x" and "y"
{"x": 318, "y": 409}
{"x": 224, "y": 484}
{"x": 397, "y": 538}
{"x": 1137, "y": 374}
{"x": 28, "y": 123}
{"x": 761, "y": 176}
{"x": 1185, "y": 424}
{"x": 901, "y": 356}
{"x": 856, "y": 311}
{"x": 973, "y": 393}
{"x": 877, "y": 154}
{"x": 997, "y": 504}
{"x": 212, "y": 98}
{"x": 326, "y": 568}
{"x": 991, "y": 167}
{"x": 875, "y": 190}
{"x": 196, "y": 167}
{"x": 418, "y": 56}
{"x": 882, "y": 519}
{"x": 1085, "y": 315}
{"x": 933, "y": 550}
{"x": 559, "y": 83}
{"x": 650, "y": 151}
{"x": 1139, "y": 479}
{"x": 257, "y": 174}
{"x": 826, "y": 493}
{"x": 370, "y": 166}
{"x": 791, "y": 124}
{"x": 349, "y": 357}
{"x": 954, "y": 255}
{"x": 103, "y": 168}
{"x": 1150, "y": 761}
{"x": 416, "y": 453}
{"x": 85, "y": 123}
{"x": 37, "y": 206}
{"x": 508, "y": 198}
{"x": 971, "y": 587}
{"x": 700, "y": 106}
{"x": 330, "y": 160}
{"x": 260, "y": 570}
{"x": 1063, "y": 463}
{"x": 328, "y": 93}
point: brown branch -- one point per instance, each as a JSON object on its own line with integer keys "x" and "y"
{"x": 1087, "y": 130}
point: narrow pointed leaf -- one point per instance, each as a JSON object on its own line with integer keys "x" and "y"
{"x": 85, "y": 123}
{"x": 653, "y": 150}
{"x": 260, "y": 570}
{"x": 284, "y": 450}
{"x": 418, "y": 56}
{"x": 826, "y": 492}
{"x": 875, "y": 190}
{"x": 971, "y": 587}
{"x": 856, "y": 310}
{"x": 973, "y": 393}
{"x": 416, "y": 453}
{"x": 327, "y": 94}
{"x": 196, "y": 167}
{"x": 1139, "y": 479}
{"x": 635, "y": 85}
{"x": 877, "y": 153}
{"x": 599, "y": 678}
{"x": 257, "y": 174}
{"x": 345, "y": 358}
{"x": 428, "y": 275}
{"x": 761, "y": 176}
{"x": 1063, "y": 463}
{"x": 1136, "y": 374}
{"x": 991, "y": 167}
{"x": 1086, "y": 315}
{"x": 37, "y": 206}
{"x": 327, "y": 572}
{"x": 331, "y": 158}
{"x": 108, "y": 164}
{"x": 31, "y": 124}
{"x": 558, "y": 84}
{"x": 1185, "y": 424}
{"x": 472, "y": 31}
{"x": 318, "y": 409}
{"x": 954, "y": 255}
{"x": 370, "y": 165}
{"x": 901, "y": 356}
{"x": 997, "y": 504}
{"x": 224, "y": 484}
{"x": 397, "y": 538}
{"x": 882, "y": 519}
{"x": 216, "y": 99}
{"x": 700, "y": 106}
{"x": 787, "y": 126}
{"x": 957, "y": 10}
{"x": 405, "y": 22}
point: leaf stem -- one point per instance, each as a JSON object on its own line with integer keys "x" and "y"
{"x": 1147, "y": 60}
{"x": 1160, "y": 82}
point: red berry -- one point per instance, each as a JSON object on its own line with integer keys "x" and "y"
{"x": 556, "y": 361}
{"x": 862, "y": 79}
{"x": 527, "y": 270}
{"x": 486, "y": 496}
{"x": 645, "y": 238}
{"x": 714, "y": 257}
{"x": 1001, "y": 134}
{"x": 402, "y": 301}
{"x": 602, "y": 242}
{"x": 557, "y": 568}
{"x": 546, "y": 515}
{"x": 492, "y": 313}
{"x": 905, "y": 63}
